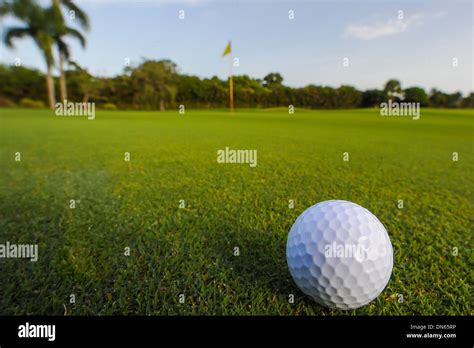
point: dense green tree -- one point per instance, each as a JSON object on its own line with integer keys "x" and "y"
{"x": 18, "y": 82}
{"x": 328, "y": 97}
{"x": 373, "y": 97}
{"x": 83, "y": 86}
{"x": 438, "y": 98}
{"x": 468, "y": 102}
{"x": 416, "y": 95}
{"x": 308, "y": 97}
{"x": 154, "y": 84}
{"x": 272, "y": 80}
{"x": 454, "y": 100}
{"x": 348, "y": 97}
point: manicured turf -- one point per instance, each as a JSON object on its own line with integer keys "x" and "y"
{"x": 190, "y": 251}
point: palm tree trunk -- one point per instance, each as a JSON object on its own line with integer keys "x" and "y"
{"x": 50, "y": 86}
{"x": 62, "y": 78}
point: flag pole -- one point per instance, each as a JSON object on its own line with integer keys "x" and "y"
{"x": 231, "y": 83}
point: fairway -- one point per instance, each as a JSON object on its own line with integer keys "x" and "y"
{"x": 216, "y": 233}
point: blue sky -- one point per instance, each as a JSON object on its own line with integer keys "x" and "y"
{"x": 418, "y": 49}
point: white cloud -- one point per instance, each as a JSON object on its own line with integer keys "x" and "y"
{"x": 380, "y": 29}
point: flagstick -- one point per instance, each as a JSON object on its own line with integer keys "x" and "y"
{"x": 231, "y": 85}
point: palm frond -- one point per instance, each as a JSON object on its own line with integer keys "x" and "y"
{"x": 63, "y": 48}
{"x": 76, "y": 34}
{"x": 80, "y": 15}
{"x": 75, "y": 65}
{"x": 16, "y": 33}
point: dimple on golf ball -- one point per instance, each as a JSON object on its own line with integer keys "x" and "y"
{"x": 339, "y": 254}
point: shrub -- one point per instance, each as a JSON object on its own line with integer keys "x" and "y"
{"x": 6, "y": 102}
{"x": 109, "y": 106}
{"x": 31, "y": 103}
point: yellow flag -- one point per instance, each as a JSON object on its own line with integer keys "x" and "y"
{"x": 227, "y": 50}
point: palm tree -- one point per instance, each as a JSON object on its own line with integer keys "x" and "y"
{"x": 393, "y": 89}
{"x": 64, "y": 55}
{"x": 36, "y": 26}
{"x": 61, "y": 31}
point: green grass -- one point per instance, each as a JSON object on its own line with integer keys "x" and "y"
{"x": 191, "y": 251}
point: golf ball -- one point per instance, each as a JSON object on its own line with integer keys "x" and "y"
{"x": 339, "y": 254}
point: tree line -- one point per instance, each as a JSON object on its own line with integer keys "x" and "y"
{"x": 157, "y": 85}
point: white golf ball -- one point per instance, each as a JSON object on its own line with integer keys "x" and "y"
{"x": 339, "y": 254}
